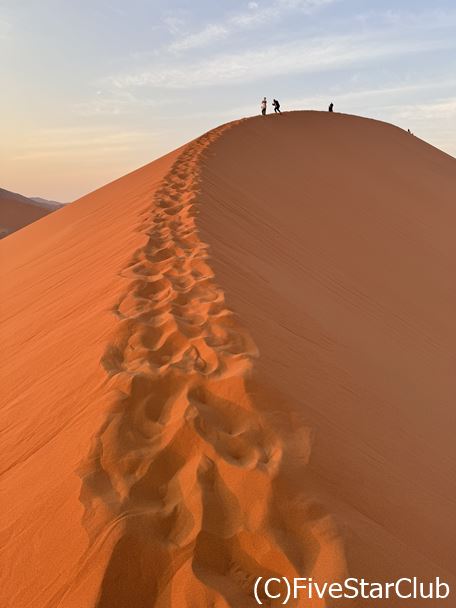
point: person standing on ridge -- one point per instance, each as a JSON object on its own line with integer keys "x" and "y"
{"x": 264, "y": 104}
{"x": 276, "y": 106}
{"x": 331, "y": 106}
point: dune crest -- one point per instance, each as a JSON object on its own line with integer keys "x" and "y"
{"x": 178, "y": 484}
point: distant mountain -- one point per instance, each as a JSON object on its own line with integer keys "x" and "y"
{"x": 17, "y": 211}
{"x": 46, "y": 203}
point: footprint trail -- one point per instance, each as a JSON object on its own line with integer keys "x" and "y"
{"x": 180, "y": 477}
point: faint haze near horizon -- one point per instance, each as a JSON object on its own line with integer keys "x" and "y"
{"x": 93, "y": 90}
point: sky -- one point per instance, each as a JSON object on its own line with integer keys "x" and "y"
{"x": 93, "y": 89}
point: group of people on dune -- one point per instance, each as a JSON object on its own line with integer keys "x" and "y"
{"x": 276, "y": 106}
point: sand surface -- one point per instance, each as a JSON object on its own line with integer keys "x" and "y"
{"x": 177, "y": 421}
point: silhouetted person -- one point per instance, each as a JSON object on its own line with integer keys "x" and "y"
{"x": 276, "y": 106}
{"x": 264, "y": 104}
{"x": 331, "y": 106}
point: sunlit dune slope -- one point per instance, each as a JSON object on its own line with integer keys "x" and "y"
{"x": 179, "y": 420}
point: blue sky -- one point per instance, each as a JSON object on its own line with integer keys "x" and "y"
{"x": 94, "y": 89}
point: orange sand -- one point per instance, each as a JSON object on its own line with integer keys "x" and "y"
{"x": 159, "y": 450}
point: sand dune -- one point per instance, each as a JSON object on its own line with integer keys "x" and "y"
{"x": 179, "y": 420}
{"x": 17, "y": 211}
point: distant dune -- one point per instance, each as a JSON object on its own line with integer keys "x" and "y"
{"x": 45, "y": 202}
{"x": 236, "y": 361}
{"x": 17, "y": 211}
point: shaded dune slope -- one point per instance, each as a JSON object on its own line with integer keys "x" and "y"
{"x": 333, "y": 237}
{"x": 160, "y": 450}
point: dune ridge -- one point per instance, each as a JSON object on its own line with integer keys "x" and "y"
{"x": 179, "y": 479}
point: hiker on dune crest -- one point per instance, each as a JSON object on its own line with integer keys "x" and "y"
{"x": 276, "y": 106}
{"x": 264, "y": 104}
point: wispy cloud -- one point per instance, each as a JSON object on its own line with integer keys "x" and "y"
{"x": 259, "y": 14}
{"x": 406, "y": 19}
{"x": 80, "y": 141}
{"x": 289, "y": 58}
{"x": 110, "y": 103}
{"x": 174, "y": 21}
{"x": 303, "y": 5}
{"x": 443, "y": 108}
{"x": 256, "y": 15}
{"x": 206, "y": 36}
